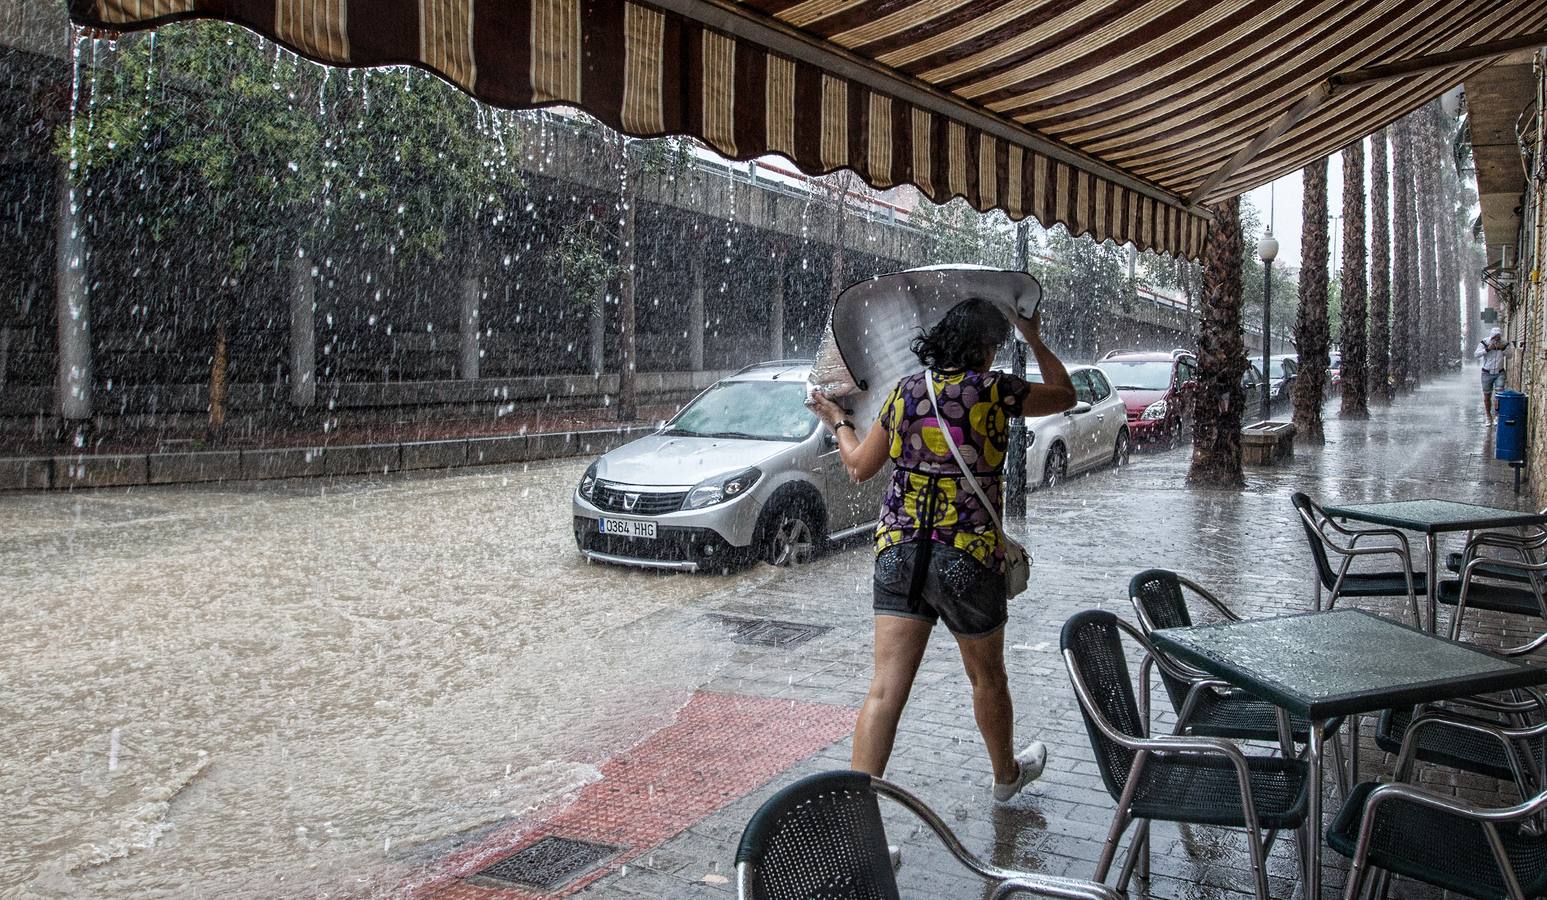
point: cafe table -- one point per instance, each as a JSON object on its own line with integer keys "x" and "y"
{"x": 1341, "y": 662}
{"x": 1433, "y": 518}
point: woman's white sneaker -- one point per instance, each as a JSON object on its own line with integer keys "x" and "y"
{"x": 1031, "y": 762}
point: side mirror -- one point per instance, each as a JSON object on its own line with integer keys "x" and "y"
{"x": 1078, "y": 408}
{"x": 829, "y": 440}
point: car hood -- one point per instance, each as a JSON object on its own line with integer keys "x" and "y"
{"x": 1138, "y": 399}
{"x": 670, "y": 461}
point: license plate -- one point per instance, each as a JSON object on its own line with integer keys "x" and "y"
{"x": 630, "y": 528}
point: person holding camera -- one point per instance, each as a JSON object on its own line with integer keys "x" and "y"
{"x": 1493, "y": 352}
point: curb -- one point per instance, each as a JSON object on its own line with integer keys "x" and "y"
{"x": 63, "y": 473}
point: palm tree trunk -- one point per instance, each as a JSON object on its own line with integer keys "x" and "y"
{"x": 1426, "y": 187}
{"x": 1311, "y": 321}
{"x": 1216, "y": 454}
{"x": 1378, "y": 372}
{"x": 1404, "y": 267}
{"x": 1355, "y": 399}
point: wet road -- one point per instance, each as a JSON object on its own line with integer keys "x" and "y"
{"x": 253, "y": 690}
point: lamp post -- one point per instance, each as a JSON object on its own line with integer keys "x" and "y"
{"x": 1267, "y": 249}
{"x": 1015, "y": 463}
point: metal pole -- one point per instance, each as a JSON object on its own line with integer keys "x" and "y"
{"x": 1267, "y": 340}
{"x": 1015, "y": 463}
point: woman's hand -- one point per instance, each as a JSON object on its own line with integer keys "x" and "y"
{"x": 1030, "y": 329}
{"x": 829, "y": 412}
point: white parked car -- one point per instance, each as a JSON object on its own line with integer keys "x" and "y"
{"x": 1094, "y": 433}
{"x": 743, "y": 472}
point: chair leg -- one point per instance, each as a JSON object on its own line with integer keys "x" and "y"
{"x": 1340, "y": 765}
{"x": 1144, "y": 861}
{"x": 1353, "y": 749}
{"x": 1316, "y": 580}
{"x": 1259, "y": 863}
{"x": 1109, "y": 849}
{"x": 1136, "y": 849}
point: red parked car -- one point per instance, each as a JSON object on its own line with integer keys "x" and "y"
{"x": 1157, "y": 388}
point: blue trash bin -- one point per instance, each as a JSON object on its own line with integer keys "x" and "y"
{"x": 1510, "y": 443}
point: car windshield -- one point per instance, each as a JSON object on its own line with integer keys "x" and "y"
{"x": 758, "y": 410}
{"x": 1153, "y": 375}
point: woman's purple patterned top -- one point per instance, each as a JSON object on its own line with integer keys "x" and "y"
{"x": 976, "y": 406}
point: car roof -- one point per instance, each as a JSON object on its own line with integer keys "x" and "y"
{"x": 1145, "y": 355}
{"x": 774, "y": 370}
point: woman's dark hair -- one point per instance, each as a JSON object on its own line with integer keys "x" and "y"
{"x": 971, "y": 330}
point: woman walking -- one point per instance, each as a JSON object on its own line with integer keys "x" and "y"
{"x": 940, "y": 554}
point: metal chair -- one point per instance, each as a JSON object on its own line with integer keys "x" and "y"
{"x": 823, "y": 837}
{"x": 1323, "y": 535}
{"x": 1205, "y": 706}
{"x": 1527, "y": 543}
{"x": 1405, "y": 830}
{"x": 1511, "y": 745}
{"x": 1495, "y": 595}
{"x": 1182, "y": 778}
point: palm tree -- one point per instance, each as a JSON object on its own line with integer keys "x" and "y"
{"x": 1426, "y": 161}
{"x": 1355, "y": 399}
{"x": 1311, "y": 321}
{"x": 1216, "y": 452}
{"x": 1403, "y": 266}
{"x": 1378, "y": 372}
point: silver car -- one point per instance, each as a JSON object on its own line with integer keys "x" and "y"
{"x": 743, "y": 472}
{"x": 1094, "y": 432}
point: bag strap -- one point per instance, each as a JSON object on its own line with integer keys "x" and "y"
{"x": 972, "y": 480}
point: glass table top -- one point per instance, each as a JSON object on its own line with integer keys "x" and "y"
{"x": 1344, "y": 661}
{"x": 1435, "y": 515}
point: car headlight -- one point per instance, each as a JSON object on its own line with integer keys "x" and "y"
{"x": 588, "y": 482}
{"x": 1156, "y": 410}
{"x": 721, "y": 490}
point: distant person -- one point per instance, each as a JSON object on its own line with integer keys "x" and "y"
{"x": 1493, "y": 352}
{"x": 938, "y": 550}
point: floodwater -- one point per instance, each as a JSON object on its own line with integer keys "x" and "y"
{"x": 288, "y": 688}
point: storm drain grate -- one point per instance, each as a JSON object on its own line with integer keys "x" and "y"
{"x": 548, "y": 864}
{"x": 769, "y": 632}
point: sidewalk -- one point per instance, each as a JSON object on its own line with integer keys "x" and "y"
{"x": 1088, "y": 538}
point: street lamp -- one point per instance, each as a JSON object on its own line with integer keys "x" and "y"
{"x": 1267, "y": 249}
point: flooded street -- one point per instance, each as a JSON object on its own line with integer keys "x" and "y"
{"x": 284, "y": 688}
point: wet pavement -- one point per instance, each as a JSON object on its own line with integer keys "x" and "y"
{"x": 376, "y": 687}
{"x": 1088, "y": 538}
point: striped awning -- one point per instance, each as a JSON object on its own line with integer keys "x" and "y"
{"x": 1121, "y": 119}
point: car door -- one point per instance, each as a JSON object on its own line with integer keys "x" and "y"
{"x": 1251, "y": 382}
{"x": 848, "y": 504}
{"x": 1110, "y": 416}
{"x": 1186, "y": 388}
{"x": 1082, "y": 425}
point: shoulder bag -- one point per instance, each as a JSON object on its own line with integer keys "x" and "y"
{"x": 1017, "y": 562}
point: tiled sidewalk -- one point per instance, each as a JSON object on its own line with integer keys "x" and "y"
{"x": 1088, "y": 538}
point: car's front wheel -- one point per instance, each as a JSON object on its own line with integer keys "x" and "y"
{"x": 1056, "y": 469}
{"x": 1122, "y": 450}
{"x": 791, "y": 533}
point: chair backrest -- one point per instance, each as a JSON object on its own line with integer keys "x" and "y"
{"x": 820, "y": 837}
{"x": 1309, "y": 513}
{"x": 1158, "y": 592}
{"x": 1091, "y": 641}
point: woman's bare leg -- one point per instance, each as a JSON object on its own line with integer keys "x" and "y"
{"x": 991, "y": 704}
{"x": 900, "y": 644}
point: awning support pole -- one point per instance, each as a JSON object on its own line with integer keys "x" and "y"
{"x": 1359, "y": 78}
